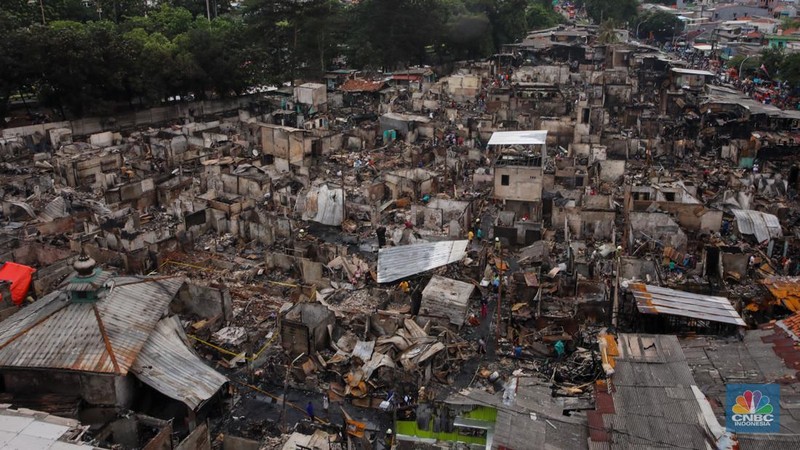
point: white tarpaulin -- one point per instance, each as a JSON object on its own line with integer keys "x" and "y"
{"x": 518, "y": 137}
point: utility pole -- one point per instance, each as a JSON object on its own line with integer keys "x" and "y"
{"x": 286, "y": 385}
{"x": 499, "y": 303}
{"x": 344, "y": 200}
{"x": 615, "y": 310}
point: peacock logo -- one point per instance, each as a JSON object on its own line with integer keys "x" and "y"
{"x": 752, "y": 402}
{"x": 753, "y": 408}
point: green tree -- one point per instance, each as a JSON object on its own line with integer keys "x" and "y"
{"x": 541, "y": 16}
{"x": 117, "y": 10}
{"x": 167, "y": 20}
{"x": 749, "y": 65}
{"x": 219, "y": 58}
{"x": 469, "y": 36}
{"x": 606, "y": 33}
{"x": 772, "y": 59}
{"x": 20, "y": 62}
{"x": 65, "y": 80}
{"x": 790, "y": 69}
{"x": 509, "y": 21}
{"x": 199, "y": 8}
{"x": 19, "y": 13}
{"x": 399, "y": 32}
{"x": 296, "y": 35}
{"x": 619, "y": 11}
{"x": 661, "y": 24}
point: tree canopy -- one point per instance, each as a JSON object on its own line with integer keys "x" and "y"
{"x": 617, "y": 11}
{"x": 92, "y": 57}
{"x": 661, "y": 25}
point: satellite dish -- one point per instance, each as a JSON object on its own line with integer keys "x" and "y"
{"x": 255, "y": 153}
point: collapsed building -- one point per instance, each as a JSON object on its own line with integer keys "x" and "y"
{"x": 500, "y": 255}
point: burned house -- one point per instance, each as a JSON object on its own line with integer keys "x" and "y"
{"x": 77, "y": 165}
{"x": 286, "y": 146}
{"x": 518, "y": 176}
{"x": 311, "y": 98}
{"x": 408, "y": 127}
{"x": 100, "y": 344}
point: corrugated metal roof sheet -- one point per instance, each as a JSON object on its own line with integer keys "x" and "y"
{"x": 168, "y": 365}
{"x": 658, "y": 300}
{"x": 57, "y": 208}
{"x": 656, "y": 402}
{"x": 403, "y": 261}
{"x": 324, "y": 204}
{"x": 764, "y": 226}
{"x": 535, "y": 420}
{"x": 768, "y": 441}
{"x": 55, "y": 333}
{"x": 785, "y": 290}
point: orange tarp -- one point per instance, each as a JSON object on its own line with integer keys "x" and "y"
{"x": 612, "y": 351}
{"x": 20, "y": 278}
{"x": 785, "y": 290}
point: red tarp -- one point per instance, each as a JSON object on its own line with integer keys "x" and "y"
{"x": 20, "y": 278}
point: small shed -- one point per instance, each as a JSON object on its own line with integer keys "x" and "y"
{"x": 304, "y": 328}
{"x": 313, "y": 94}
{"x": 446, "y": 297}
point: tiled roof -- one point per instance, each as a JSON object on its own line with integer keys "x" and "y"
{"x": 792, "y": 325}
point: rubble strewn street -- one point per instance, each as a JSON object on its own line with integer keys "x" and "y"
{"x": 539, "y": 250}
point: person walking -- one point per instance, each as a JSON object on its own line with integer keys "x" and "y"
{"x": 381, "y": 232}
{"x": 481, "y": 346}
{"x": 326, "y": 401}
{"x": 470, "y": 236}
{"x": 498, "y": 246}
{"x": 310, "y": 411}
{"x": 484, "y": 307}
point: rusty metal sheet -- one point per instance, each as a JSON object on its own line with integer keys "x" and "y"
{"x": 167, "y": 364}
{"x": 54, "y": 333}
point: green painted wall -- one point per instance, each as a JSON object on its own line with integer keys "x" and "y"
{"x": 482, "y": 413}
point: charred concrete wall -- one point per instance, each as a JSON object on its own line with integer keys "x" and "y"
{"x": 659, "y": 227}
{"x": 518, "y": 183}
{"x": 202, "y": 301}
{"x": 304, "y": 328}
{"x": 199, "y": 439}
{"x": 94, "y": 389}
